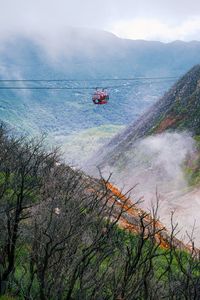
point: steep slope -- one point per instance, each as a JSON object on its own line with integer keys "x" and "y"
{"x": 178, "y": 109}
{"x": 132, "y": 216}
{"x": 159, "y": 153}
{"x": 131, "y": 219}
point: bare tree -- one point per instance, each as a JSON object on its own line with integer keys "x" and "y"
{"x": 68, "y": 236}
{"x": 22, "y": 166}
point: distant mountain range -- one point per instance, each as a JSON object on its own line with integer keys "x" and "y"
{"x": 80, "y": 55}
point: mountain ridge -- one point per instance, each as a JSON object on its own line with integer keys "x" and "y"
{"x": 178, "y": 109}
{"x": 160, "y": 151}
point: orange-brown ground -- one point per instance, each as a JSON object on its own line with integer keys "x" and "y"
{"x": 131, "y": 219}
{"x": 166, "y": 123}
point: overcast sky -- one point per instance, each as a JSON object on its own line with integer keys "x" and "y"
{"x": 136, "y": 19}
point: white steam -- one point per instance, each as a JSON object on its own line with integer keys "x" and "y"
{"x": 157, "y": 163}
{"x": 154, "y": 161}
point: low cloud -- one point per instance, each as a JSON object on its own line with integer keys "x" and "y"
{"x": 154, "y": 29}
{"x": 157, "y": 163}
{"x": 166, "y": 21}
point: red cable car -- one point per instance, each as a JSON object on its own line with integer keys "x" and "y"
{"x": 100, "y": 97}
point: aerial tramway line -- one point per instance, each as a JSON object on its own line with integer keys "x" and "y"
{"x": 100, "y": 95}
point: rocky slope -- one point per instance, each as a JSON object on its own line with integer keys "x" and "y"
{"x": 178, "y": 110}
{"x": 133, "y": 218}
{"x": 159, "y": 152}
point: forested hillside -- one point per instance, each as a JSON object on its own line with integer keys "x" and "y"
{"x": 62, "y": 235}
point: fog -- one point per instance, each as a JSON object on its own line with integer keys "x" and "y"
{"x": 37, "y": 19}
{"x": 156, "y": 163}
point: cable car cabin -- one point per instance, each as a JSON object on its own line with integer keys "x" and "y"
{"x": 100, "y": 97}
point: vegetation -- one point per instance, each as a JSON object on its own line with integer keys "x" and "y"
{"x": 60, "y": 239}
{"x": 192, "y": 168}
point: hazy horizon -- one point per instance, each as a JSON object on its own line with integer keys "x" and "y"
{"x": 157, "y": 20}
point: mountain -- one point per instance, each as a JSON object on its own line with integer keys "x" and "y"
{"x": 82, "y": 54}
{"x": 178, "y": 109}
{"x": 85, "y": 53}
{"x": 159, "y": 155}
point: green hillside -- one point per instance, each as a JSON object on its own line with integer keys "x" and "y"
{"x": 182, "y": 105}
